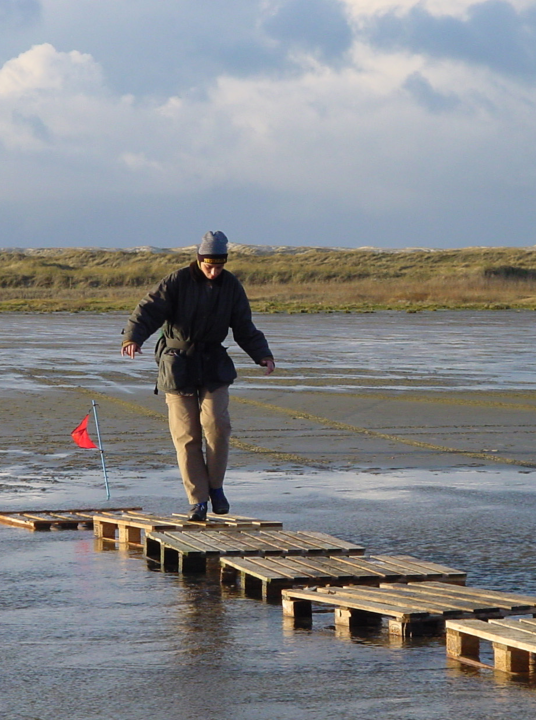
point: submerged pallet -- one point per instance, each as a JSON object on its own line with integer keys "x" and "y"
{"x": 188, "y": 552}
{"x": 268, "y": 576}
{"x": 411, "y": 609}
{"x": 514, "y": 643}
{"x": 60, "y": 519}
{"x": 129, "y": 527}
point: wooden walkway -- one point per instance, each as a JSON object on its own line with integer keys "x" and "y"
{"x": 513, "y": 640}
{"x": 411, "y": 609}
{"x": 58, "y": 519}
{"x": 129, "y": 527}
{"x": 188, "y": 552}
{"x": 268, "y": 576}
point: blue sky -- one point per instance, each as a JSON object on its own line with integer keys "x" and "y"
{"x": 282, "y": 122}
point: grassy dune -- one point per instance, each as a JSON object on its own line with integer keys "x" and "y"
{"x": 281, "y": 280}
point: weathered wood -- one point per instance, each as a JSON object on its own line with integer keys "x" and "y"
{"x": 411, "y": 612}
{"x": 438, "y": 600}
{"x": 275, "y": 573}
{"x": 49, "y": 519}
{"x": 462, "y": 645}
{"x": 421, "y": 569}
{"x": 130, "y": 526}
{"x": 513, "y": 642}
{"x": 509, "y": 599}
{"x": 250, "y": 543}
{"x": 297, "y": 608}
{"x": 237, "y": 521}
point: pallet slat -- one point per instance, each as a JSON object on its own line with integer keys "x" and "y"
{"x": 48, "y": 519}
{"x": 411, "y": 601}
{"x": 514, "y": 642}
{"x": 290, "y": 571}
{"x": 160, "y": 546}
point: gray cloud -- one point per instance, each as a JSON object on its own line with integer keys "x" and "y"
{"x": 318, "y": 26}
{"x": 494, "y": 34}
{"x": 183, "y": 46}
{"x": 424, "y": 93}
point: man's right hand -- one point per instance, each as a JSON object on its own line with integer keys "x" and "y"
{"x": 131, "y": 349}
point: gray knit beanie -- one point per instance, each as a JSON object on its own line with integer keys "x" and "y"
{"x": 213, "y": 245}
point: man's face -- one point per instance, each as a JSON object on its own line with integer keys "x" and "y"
{"x": 211, "y": 271}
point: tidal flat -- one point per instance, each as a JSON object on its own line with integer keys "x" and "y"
{"x": 408, "y": 434}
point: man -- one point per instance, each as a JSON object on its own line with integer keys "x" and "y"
{"x": 195, "y": 307}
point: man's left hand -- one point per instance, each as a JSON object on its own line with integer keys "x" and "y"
{"x": 269, "y": 364}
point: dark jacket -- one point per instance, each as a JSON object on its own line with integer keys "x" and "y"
{"x": 196, "y": 315}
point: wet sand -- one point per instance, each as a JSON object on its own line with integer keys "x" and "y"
{"x": 90, "y": 633}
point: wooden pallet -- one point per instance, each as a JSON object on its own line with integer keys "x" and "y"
{"x": 59, "y": 519}
{"x": 129, "y": 527}
{"x": 268, "y": 576}
{"x": 514, "y": 643}
{"x": 411, "y": 609}
{"x": 188, "y": 552}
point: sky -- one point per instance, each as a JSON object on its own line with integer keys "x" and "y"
{"x": 337, "y": 123}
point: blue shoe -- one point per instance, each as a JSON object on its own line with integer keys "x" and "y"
{"x": 198, "y": 512}
{"x": 220, "y": 504}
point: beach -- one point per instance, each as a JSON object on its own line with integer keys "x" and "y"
{"x": 408, "y": 434}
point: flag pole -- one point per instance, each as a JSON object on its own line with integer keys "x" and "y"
{"x": 94, "y": 404}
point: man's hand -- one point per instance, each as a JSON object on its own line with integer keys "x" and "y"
{"x": 269, "y": 364}
{"x": 130, "y": 349}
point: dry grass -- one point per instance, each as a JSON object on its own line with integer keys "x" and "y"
{"x": 305, "y": 280}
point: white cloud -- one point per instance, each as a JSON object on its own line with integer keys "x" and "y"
{"x": 45, "y": 69}
{"x": 389, "y": 137}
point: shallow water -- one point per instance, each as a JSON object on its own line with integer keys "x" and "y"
{"x": 89, "y": 632}
{"x": 433, "y": 350}
{"x": 92, "y": 633}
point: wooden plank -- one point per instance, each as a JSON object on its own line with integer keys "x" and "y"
{"x": 67, "y": 510}
{"x": 237, "y": 521}
{"x": 285, "y": 542}
{"x": 311, "y": 542}
{"x": 254, "y": 566}
{"x": 452, "y": 602}
{"x": 252, "y": 541}
{"x": 508, "y": 598}
{"x": 23, "y": 521}
{"x": 426, "y": 565}
{"x": 242, "y": 520}
{"x": 122, "y": 521}
{"x": 238, "y": 543}
{"x": 404, "y": 614}
{"x": 299, "y": 572}
{"x": 186, "y": 545}
{"x": 303, "y": 541}
{"x": 361, "y": 565}
{"x": 329, "y": 567}
{"x": 352, "y": 548}
{"x": 396, "y": 598}
{"x": 517, "y": 624}
{"x": 493, "y": 632}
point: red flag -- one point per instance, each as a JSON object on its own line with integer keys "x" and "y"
{"x": 81, "y": 436}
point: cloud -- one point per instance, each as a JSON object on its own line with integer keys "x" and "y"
{"x": 183, "y": 47}
{"x": 45, "y": 69}
{"x": 119, "y": 124}
{"x": 44, "y": 96}
{"x": 424, "y": 93}
{"x": 319, "y": 27}
{"x": 493, "y": 34}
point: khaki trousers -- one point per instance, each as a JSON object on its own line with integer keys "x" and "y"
{"x": 191, "y": 417}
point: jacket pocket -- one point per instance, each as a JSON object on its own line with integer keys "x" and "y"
{"x": 172, "y": 371}
{"x": 222, "y": 367}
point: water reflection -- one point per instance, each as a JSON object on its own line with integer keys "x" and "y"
{"x": 456, "y": 350}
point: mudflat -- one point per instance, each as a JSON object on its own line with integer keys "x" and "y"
{"x": 403, "y": 434}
